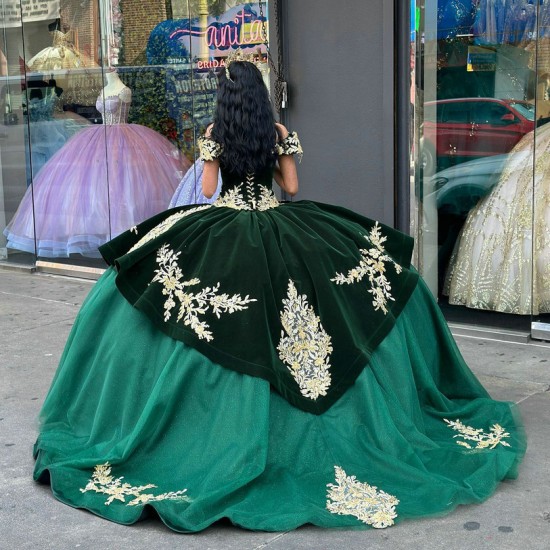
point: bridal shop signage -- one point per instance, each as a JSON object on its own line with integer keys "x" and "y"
{"x": 182, "y": 40}
{"x": 16, "y": 12}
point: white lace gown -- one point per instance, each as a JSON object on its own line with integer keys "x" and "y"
{"x": 501, "y": 261}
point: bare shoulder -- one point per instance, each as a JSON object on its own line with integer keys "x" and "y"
{"x": 208, "y": 131}
{"x": 281, "y": 130}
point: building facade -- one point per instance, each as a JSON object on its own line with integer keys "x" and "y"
{"x": 426, "y": 115}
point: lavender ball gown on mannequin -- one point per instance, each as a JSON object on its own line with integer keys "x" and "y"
{"x": 105, "y": 180}
{"x": 47, "y": 130}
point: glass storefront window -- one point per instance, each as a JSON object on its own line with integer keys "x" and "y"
{"x": 102, "y": 104}
{"x": 481, "y": 112}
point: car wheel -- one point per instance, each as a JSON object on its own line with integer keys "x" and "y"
{"x": 427, "y": 158}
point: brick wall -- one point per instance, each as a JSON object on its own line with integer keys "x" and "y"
{"x": 139, "y": 18}
{"x": 82, "y": 19}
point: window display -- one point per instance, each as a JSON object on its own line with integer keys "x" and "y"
{"x": 47, "y": 128}
{"x": 492, "y": 268}
{"x": 102, "y": 182}
{"x": 103, "y": 101}
{"x": 483, "y": 106}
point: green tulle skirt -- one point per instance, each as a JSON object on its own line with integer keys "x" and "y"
{"x": 136, "y": 419}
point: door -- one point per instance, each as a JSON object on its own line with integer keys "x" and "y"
{"x": 340, "y": 72}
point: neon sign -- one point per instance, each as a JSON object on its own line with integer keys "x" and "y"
{"x": 239, "y": 32}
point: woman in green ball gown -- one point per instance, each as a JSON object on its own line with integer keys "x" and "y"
{"x": 272, "y": 363}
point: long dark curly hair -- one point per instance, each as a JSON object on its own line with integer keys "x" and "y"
{"x": 244, "y": 123}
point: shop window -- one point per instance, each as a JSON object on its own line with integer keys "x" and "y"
{"x": 102, "y": 104}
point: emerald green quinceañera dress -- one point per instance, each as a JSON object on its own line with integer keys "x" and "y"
{"x": 272, "y": 363}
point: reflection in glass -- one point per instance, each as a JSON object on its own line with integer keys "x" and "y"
{"x": 483, "y": 99}
{"x": 492, "y": 267}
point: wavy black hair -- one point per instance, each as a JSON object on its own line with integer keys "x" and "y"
{"x": 244, "y": 123}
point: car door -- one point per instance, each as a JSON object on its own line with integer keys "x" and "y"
{"x": 454, "y": 129}
{"x": 496, "y": 128}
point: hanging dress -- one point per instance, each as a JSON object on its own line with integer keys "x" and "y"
{"x": 189, "y": 190}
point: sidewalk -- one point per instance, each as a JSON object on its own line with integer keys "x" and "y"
{"x": 36, "y": 314}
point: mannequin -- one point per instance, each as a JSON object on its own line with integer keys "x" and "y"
{"x": 103, "y": 181}
{"x": 114, "y": 86}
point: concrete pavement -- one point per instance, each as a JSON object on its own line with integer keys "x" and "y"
{"x": 36, "y": 314}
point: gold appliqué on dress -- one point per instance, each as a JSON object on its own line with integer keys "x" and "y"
{"x": 166, "y": 224}
{"x": 240, "y": 198}
{"x": 307, "y": 347}
{"x": 290, "y": 145}
{"x": 209, "y": 149}
{"x": 372, "y": 265}
{"x": 134, "y": 229}
{"x": 354, "y": 498}
{"x": 233, "y": 198}
{"x": 170, "y": 275}
{"x": 267, "y": 199}
{"x": 483, "y": 440}
{"x": 103, "y": 482}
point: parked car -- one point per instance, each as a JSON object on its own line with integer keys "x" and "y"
{"x": 457, "y": 130}
{"x": 458, "y": 189}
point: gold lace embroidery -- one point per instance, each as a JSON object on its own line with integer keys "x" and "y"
{"x": 483, "y": 440}
{"x": 209, "y": 149}
{"x": 372, "y": 265}
{"x": 166, "y": 224}
{"x": 290, "y": 145}
{"x": 267, "y": 199}
{"x": 239, "y": 200}
{"x": 233, "y": 198}
{"x": 170, "y": 275}
{"x": 103, "y": 482}
{"x": 307, "y": 347}
{"x": 352, "y": 497}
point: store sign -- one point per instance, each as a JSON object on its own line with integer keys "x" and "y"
{"x": 241, "y": 31}
{"x": 177, "y": 41}
{"x": 481, "y": 59}
{"x": 15, "y": 12}
{"x": 190, "y": 55}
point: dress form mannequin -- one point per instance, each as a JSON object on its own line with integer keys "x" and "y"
{"x": 114, "y": 85}
{"x": 99, "y": 184}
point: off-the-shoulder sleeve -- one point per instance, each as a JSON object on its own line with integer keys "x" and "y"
{"x": 209, "y": 149}
{"x": 290, "y": 145}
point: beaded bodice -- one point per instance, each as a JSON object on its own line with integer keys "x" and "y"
{"x": 114, "y": 108}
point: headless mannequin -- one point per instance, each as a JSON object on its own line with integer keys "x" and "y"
{"x": 114, "y": 86}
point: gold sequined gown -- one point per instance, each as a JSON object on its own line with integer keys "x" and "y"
{"x": 501, "y": 261}
{"x": 60, "y": 55}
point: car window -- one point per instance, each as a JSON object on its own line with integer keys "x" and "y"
{"x": 455, "y": 112}
{"x": 526, "y": 109}
{"x": 487, "y": 112}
